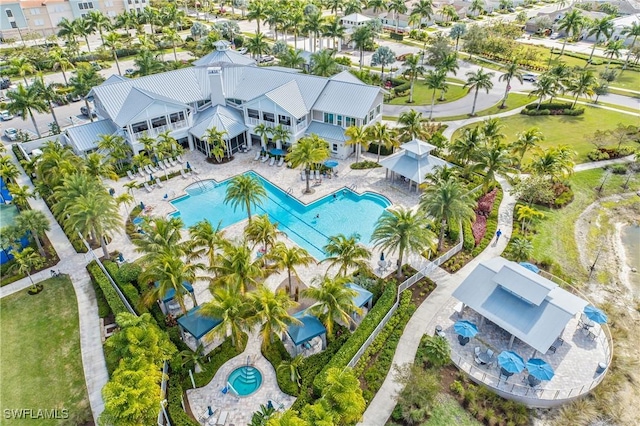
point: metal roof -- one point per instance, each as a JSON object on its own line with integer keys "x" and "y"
{"x": 311, "y": 327}
{"x": 196, "y": 324}
{"x": 222, "y": 118}
{"x": 362, "y": 297}
{"x": 140, "y": 100}
{"x": 85, "y": 137}
{"x": 289, "y": 98}
{"x": 114, "y": 78}
{"x": 347, "y": 77}
{"x": 525, "y": 284}
{"x": 222, "y": 58}
{"x": 418, "y": 147}
{"x": 407, "y": 164}
{"x": 536, "y": 325}
{"x": 326, "y": 131}
{"x": 349, "y": 99}
{"x": 171, "y": 293}
{"x": 355, "y": 17}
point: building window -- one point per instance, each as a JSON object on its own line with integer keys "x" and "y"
{"x": 339, "y": 123}
{"x": 139, "y": 127}
{"x": 38, "y": 22}
{"x": 13, "y": 24}
{"x": 371, "y": 115}
{"x": 366, "y": 119}
{"x": 158, "y": 122}
{"x": 253, "y": 113}
{"x": 35, "y": 11}
{"x": 9, "y": 13}
{"x": 267, "y": 116}
{"x": 301, "y": 119}
{"x": 378, "y": 110}
{"x": 349, "y": 121}
{"x": 284, "y": 120}
{"x": 201, "y": 104}
{"x": 129, "y": 1}
{"x": 234, "y": 101}
{"x": 328, "y": 118}
{"x": 176, "y": 116}
{"x": 335, "y": 147}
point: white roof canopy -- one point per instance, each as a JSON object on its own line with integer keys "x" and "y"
{"x": 413, "y": 161}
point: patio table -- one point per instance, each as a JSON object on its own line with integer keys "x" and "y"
{"x": 484, "y": 358}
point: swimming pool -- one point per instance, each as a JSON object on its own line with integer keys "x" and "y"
{"x": 308, "y": 225}
{"x": 245, "y": 380}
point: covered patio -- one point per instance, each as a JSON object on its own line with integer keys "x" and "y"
{"x": 412, "y": 163}
{"x": 223, "y": 119}
{"x": 168, "y": 303}
{"x": 194, "y": 327}
{"x": 363, "y": 300}
{"x": 305, "y": 339}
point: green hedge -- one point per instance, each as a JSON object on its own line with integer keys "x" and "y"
{"x": 109, "y": 292}
{"x": 552, "y": 105}
{"x": 128, "y": 289}
{"x": 103, "y": 307}
{"x": 365, "y": 165}
{"x": 357, "y": 339}
{"x": 276, "y": 354}
{"x": 468, "y": 242}
{"x": 572, "y": 112}
{"x": 492, "y": 225}
{"x": 174, "y": 407}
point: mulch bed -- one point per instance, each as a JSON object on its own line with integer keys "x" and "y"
{"x": 225, "y": 160}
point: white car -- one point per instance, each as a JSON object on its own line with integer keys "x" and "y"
{"x": 11, "y": 134}
{"x": 6, "y": 115}
{"x": 530, "y": 77}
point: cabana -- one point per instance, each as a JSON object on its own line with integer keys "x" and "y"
{"x": 301, "y": 337}
{"x": 526, "y": 305}
{"x": 361, "y": 299}
{"x": 412, "y": 163}
{"x": 168, "y": 304}
{"x": 194, "y": 326}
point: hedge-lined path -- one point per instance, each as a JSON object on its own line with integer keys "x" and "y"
{"x": 384, "y": 402}
{"x": 73, "y": 264}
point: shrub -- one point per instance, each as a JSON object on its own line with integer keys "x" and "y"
{"x": 365, "y": 165}
{"x": 357, "y": 339}
{"x": 552, "y": 105}
{"x": 215, "y": 359}
{"x": 479, "y": 228}
{"x": 457, "y": 388}
{"x": 534, "y": 112}
{"x": 109, "y": 292}
{"x": 619, "y": 169}
{"x": 276, "y": 354}
{"x": 128, "y": 273}
{"x": 597, "y": 155}
{"x": 563, "y": 199}
{"x": 129, "y": 291}
{"x": 572, "y": 112}
{"x": 103, "y": 307}
{"x": 490, "y": 227}
{"x": 469, "y": 242}
{"x": 174, "y": 407}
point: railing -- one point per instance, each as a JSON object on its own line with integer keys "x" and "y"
{"x": 448, "y": 255}
{"x": 157, "y": 130}
{"x": 372, "y": 336}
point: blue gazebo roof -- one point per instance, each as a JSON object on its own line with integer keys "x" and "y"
{"x": 363, "y": 296}
{"x": 196, "y": 324}
{"x": 172, "y": 291}
{"x": 311, "y": 327}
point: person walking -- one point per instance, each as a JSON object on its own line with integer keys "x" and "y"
{"x": 498, "y": 234}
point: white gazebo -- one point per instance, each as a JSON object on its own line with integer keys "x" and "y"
{"x": 412, "y": 162}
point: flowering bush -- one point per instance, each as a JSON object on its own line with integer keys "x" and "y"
{"x": 479, "y": 228}
{"x": 485, "y": 203}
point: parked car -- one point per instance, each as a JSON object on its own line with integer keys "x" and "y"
{"x": 129, "y": 72}
{"x": 242, "y": 51}
{"x": 530, "y": 77}
{"x": 73, "y": 98}
{"x": 11, "y": 133}
{"x": 85, "y": 111}
{"x": 6, "y": 115}
{"x": 5, "y": 83}
{"x": 265, "y": 59}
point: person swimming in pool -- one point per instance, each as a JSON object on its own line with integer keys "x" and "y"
{"x": 318, "y": 216}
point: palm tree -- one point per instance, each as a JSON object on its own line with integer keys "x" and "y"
{"x": 280, "y": 134}
{"x": 26, "y": 261}
{"x": 435, "y": 80}
{"x": 257, "y": 11}
{"x": 511, "y": 71}
{"x": 554, "y": 162}
{"x": 449, "y": 64}
{"x": 313, "y": 24}
{"x": 26, "y": 100}
{"x": 60, "y": 60}
{"x": 20, "y": 194}
{"x": 464, "y": 148}
{"x": 449, "y": 12}
{"x": 99, "y": 22}
{"x": 383, "y": 56}
{"x": 346, "y": 252}
{"x": 323, "y": 63}
{"x": 216, "y": 143}
{"x": 85, "y": 79}
{"x": 353, "y": 6}
{"x": 21, "y": 66}
{"x": 271, "y": 311}
{"x": 477, "y": 6}
{"x": 493, "y": 159}
{"x": 449, "y": 203}
{"x": 237, "y": 268}
{"x": 288, "y": 258}
{"x": 544, "y": 87}
{"x": 526, "y": 215}
{"x": 412, "y": 125}
{"x": 49, "y": 93}
{"x": 599, "y": 27}
{"x": 381, "y": 134}
{"x": 68, "y": 30}
{"x": 245, "y": 191}
{"x": 422, "y": 9}
{"x": 612, "y": 49}
{"x": 35, "y": 222}
{"x": 632, "y": 30}
{"x": 117, "y": 146}
{"x": 293, "y": 367}
{"x": 233, "y": 310}
{"x": 84, "y": 28}
{"x": 8, "y": 170}
{"x": 264, "y": 132}
{"x": 257, "y": 45}
{"x": 112, "y": 42}
{"x": 571, "y": 23}
{"x": 583, "y": 84}
{"x": 358, "y": 137}
{"x": 397, "y": 7}
{"x": 334, "y": 301}
{"x": 308, "y": 151}
{"x": 403, "y": 230}
{"x": 478, "y": 80}
{"x": 292, "y": 58}
{"x": 206, "y": 241}
{"x": 362, "y": 38}
{"x": 96, "y": 165}
{"x": 413, "y": 70}
{"x": 147, "y": 63}
{"x": 520, "y": 249}
{"x": 262, "y": 231}
{"x": 334, "y": 30}
{"x": 172, "y": 36}
{"x": 526, "y": 141}
{"x": 124, "y": 20}
{"x": 377, "y": 5}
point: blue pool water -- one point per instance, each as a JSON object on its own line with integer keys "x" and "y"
{"x": 346, "y": 214}
{"x": 245, "y": 380}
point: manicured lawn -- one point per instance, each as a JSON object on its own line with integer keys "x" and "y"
{"x": 40, "y": 362}
{"x": 565, "y": 130}
{"x": 515, "y": 100}
{"x": 560, "y": 247}
{"x": 422, "y": 94}
{"x": 448, "y": 412}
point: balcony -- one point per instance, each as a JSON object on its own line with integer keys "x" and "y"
{"x": 157, "y": 130}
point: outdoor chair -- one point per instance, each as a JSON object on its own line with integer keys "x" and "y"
{"x": 272, "y": 162}
{"x": 172, "y": 162}
{"x": 222, "y": 420}
{"x": 141, "y": 173}
{"x": 148, "y": 170}
{"x": 194, "y": 171}
{"x": 166, "y": 163}
{"x": 183, "y": 174}
{"x": 179, "y": 159}
{"x": 554, "y": 347}
{"x": 154, "y": 169}
{"x": 303, "y": 175}
{"x": 462, "y": 340}
{"x": 159, "y": 183}
{"x": 147, "y": 187}
{"x": 131, "y": 176}
{"x": 476, "y": 351}
{"x": 281, "y": 162}
{"x": 258, "y": 154}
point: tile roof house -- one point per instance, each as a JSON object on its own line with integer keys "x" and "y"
{"x": 226, "y": 90}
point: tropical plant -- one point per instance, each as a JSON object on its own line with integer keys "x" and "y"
{"x": 422, "y": 10}
{"x": 206, "y": 241}
{"x": 435, "y": 80}
{"x": 216, "y": 143}
{"x": 346, "y": 252}
{"x": 397, "y": 7}
{"x": 236, "y": 268}
{"x": 160, "y": 235}
{"x": 478, "y": 80}
{"x": 334, "y": 301}
{"x": 381, "y": 134}
{"x": 245, "y": 190}
{"x": 233, "y": 309}
{"x": 262, "y": 231}
{"x": 26, "y": 261}
{"x": 147, "y": 63}
{"x": 544, "y": 87}
{"x": 85, "y": 79}
{"x": 264, "y": 132}
{"x": 293, "y": 368}
{"x": 257, "y": 11}
{"x": 412, "y": 125}
{"x": 449, "y": 203}
{"x": 383, "y": 56}
{"x": 413, "y": 69}
{"x": 323, "y": 63}
{"x": 292, "y": 58}
{"x": 632, "y": 30}
{"x": 553, "y": 163}
{"x": 343, "y": 396}
{"x": 26, "y": 100}
{"x": 613, "y": 49}
{"x": 492, "y": 160}
{"x": 437, "y": 351}
{"x": 403, "y": 230}
{"x": 520, "y": 249}
{"x": 582, "y": 85}
{"x": 20, "y": 194}
{"x": 362, "y": 38}
{"x": 98, "y": 21}
{"x": 334, "y": 30}
{"x": 458, "y": 31}
{"x": 526, "y": 216}
{"x": 271, "y": 312}
{"x": 60, "y": 60}
{"x": 526, "y": 141}
{"x": 598, "y": 28}
{"x": 464, "y": 148}
{"x": 571, "y": 23}
{"x": 308, "y": 151}
{"x": 511, "y": 71}
{"x": 288, "y": 258}
{"x": 117, "y": 146}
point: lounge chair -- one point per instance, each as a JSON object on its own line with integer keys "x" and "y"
{"x": 161, "y": 165}
{"x": 303, "y": 175}
{"x": 281, "y": 162}
{"x": 179, "y": 159}
{"x": 154, "y": 169}
{"x": 257, "y": 157}
{"x": 194, "y": 171}
{"x": 318, "y": 177}
{"x": 131, "y": 176}
{"x": 183, "y": 174}
{"x": 273, "y": 161}
{"x": 141, "y": 173}
{"x": 166, "y": 163}
{"x": 172, "y": 162}
{"x": 223, "y": 418}
{"x": 159, "y": 183}
{"x": 264, "y": 159}
{"x": 147, "y": 187}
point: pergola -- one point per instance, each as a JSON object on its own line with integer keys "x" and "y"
{"x": 196, "y": 325}
{"x": 166, "y": 305}
{"x": 412, "y": 162}
{"x": 310, "y": 328}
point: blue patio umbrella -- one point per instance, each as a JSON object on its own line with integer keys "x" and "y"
{"x": 465, "y": 328}
{"x": 277, "y": 151}
{"x": 188, "y": 165}
{"x": 595, "y": 314}
{"x": 382, "y": 256}
{"x": 540, "y": 369}
{"x": 151, "y": 177}
{"x": 141, "y": 205}
{"x": 331, "y": 164}
{"x": 511, "y": 361}
{"x": 530, "y": 266}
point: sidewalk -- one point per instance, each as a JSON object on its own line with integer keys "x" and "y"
{"x": 385, "y": 400}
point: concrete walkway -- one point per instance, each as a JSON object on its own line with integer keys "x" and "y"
{"x": 73, "y": 264}
{"x": 385, "y": 400}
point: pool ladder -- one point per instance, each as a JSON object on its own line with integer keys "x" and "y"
{"x": 290, "y": 191}
{"x": 353, "y": 187}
